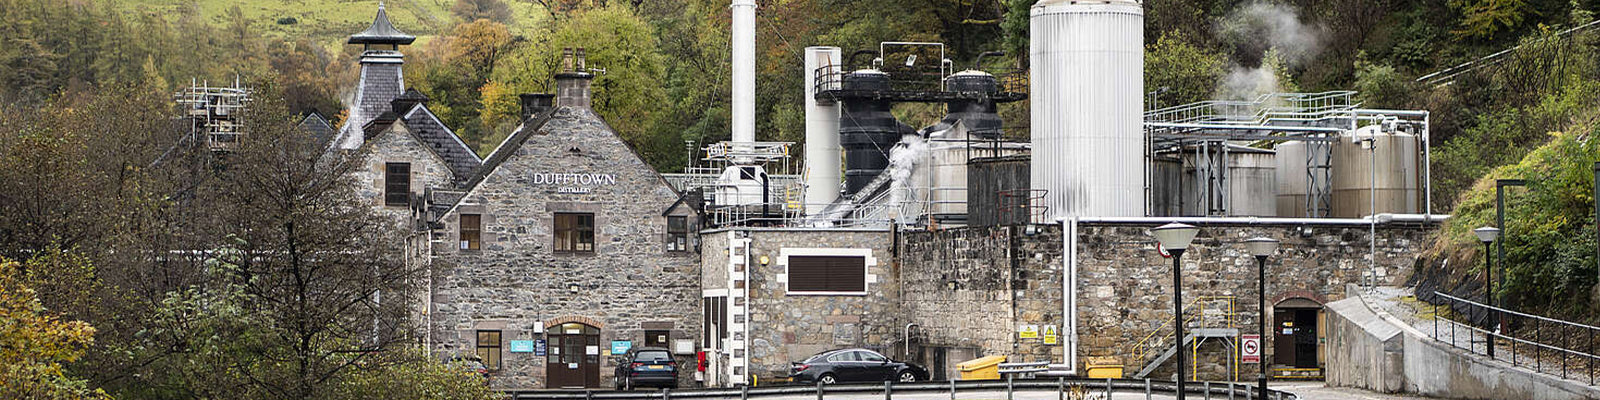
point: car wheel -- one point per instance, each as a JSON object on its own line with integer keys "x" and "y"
{"x": 907, "y": 376}
{"x": 827, "y": 379}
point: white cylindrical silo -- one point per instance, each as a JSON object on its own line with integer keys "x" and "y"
{"x": 1087, "y": 93}
{"x": 822, "y": 132}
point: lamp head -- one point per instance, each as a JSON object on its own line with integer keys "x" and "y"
{"x": 1261, "y": 246}
{"x": 1175, "y": 236}
{"x": 1487, "y": 234}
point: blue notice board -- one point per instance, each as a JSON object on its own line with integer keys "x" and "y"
{"x": 522, "y": 346}
{"x": 540, "y": 347}
{"x": 621, "y": 346}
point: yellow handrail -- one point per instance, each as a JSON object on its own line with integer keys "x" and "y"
{"x": 1142, "y": 348}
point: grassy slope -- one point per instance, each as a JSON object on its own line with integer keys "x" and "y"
{"x": 330, "y": 21}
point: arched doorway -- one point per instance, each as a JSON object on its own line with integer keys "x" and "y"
{"x": 1297, "y": 329}
{"x": 574, "y": 359}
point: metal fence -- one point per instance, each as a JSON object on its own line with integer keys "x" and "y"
{"x": 1545, "y": 345}
{"x": 1066, "y": 388}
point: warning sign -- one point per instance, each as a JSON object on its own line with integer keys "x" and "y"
{"x": 1050, "y": 335}
{"x": 1028, "y": 332}
{"x": 1250, "y": 349}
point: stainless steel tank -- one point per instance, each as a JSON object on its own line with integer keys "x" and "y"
{"x": 1249, "y": 175}
{"x": 1386, "y": 173}
{"x": 1086, "y": 91}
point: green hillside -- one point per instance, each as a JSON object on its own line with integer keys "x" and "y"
{"x": 329, "y": 21}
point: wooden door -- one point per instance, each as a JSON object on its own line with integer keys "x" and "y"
{"x": 1283, "y": 328}
{"x": 574, "y": 360}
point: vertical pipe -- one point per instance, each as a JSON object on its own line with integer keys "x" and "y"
{"x": 1596, "y": 220}
{"x": 1069, "y": 293}
{"x": 1146, "y": 388}
{"x": 744, "y": 71}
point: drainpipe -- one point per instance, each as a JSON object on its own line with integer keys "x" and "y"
{"x": 1069, "y": 294}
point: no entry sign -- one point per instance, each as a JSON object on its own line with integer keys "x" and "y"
{"x": 1250, "y": 349}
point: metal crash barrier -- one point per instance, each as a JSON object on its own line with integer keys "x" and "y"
{"x": 1064, "y": 387}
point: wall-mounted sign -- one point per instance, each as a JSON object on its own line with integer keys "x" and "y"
{"x": 621, "y": 346}
{"x": 1250, "y": 349}
{"x": 1051, "y": 336}
{"x": 1028, "y": 332}
{"x": 591, "y": 350}
{"x": 540, "y": 347}
{"x": 522, "y": 346}
{"x": 573, "y": 183}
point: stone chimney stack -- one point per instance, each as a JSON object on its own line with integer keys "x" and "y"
{"x": 534, "y": 103}
{"x": 572, "y": 83}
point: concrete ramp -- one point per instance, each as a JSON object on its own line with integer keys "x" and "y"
{"x": 1376, "y": 351}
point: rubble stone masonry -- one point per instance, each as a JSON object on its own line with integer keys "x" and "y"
{"x": 968, "y": 290}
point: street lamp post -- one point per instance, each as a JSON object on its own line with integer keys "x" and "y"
{"x": 1488, "y": 235}
{"x": 1262, "y": 247}
{"x": 1175, "y": 238}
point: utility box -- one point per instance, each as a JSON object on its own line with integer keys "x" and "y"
{"x": 1103, "y": 367}
{"x": 986, "y": 368}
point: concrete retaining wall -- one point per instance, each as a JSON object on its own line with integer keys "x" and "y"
{"x": 1376, "y": 351}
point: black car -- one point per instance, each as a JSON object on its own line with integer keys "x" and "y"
{"x": 647, "y": 366}
{"x": 855, "y": 365}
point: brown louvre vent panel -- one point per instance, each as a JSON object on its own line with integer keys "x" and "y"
{"x": 827, "y": 274}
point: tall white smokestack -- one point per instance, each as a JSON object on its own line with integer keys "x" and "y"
{"x": 822, "y": 133}
{"x": 744, "y": 71}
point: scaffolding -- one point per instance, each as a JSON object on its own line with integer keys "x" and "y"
{"x": 214, "y": 112}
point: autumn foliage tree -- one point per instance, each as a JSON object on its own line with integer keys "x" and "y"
{"x": 36, "y": 345}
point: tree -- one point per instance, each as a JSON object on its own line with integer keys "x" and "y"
{"x": 477, "y": 45}
{"x": 473, "y": 10}
{"x": 36, "y": 345}
{"x": 1482, "y": 19}
{"x": 1189, "y": 73}
{"x": 629, "y": 94}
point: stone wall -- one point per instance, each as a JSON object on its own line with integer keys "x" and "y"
{"x": 396, "y": 144}
{"x": 518, "y": 284}
{"x": 787, "y": 327}
{"x": 1124, "y": 285}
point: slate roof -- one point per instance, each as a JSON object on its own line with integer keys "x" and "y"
{"x": 382, "y": 32}
{"x": 463, "y": 162}
{"x": 321, "y": 131}
{"x": 380, "y": 84}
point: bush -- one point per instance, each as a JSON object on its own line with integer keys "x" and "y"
{"x": 288, "y": 21}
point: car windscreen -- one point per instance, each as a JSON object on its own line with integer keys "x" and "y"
{"x": 657, "y": 355}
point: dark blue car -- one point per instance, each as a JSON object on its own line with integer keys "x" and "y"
{"x": 647, "y": 366}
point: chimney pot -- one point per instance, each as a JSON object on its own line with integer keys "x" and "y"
{"x": 534, "y": 103}
{"x": 572, "y": 86}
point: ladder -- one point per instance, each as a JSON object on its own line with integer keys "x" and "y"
{"x": 738, "y": 341}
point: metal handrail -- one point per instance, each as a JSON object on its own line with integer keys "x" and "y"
{"x": 1515, "y": 313}
{"x": 1060, "y": 384}
{"x": 1588, "y": 357}
{"x": 1141, "y": 349}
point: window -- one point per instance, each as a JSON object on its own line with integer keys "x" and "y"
{"x": 870, "y": 356}
{"x": 575, "y": 232}
{"x": 655, "y": 338}
{"x": 677, "y": 233}
{"x": 843, "y": 356}
{"x": 471, "y": 231}
{"x": 489, "y": 349}
{"x": 827, "y": 274}
{"x": 715, "y": 315}
{"x": 397, "y": 184}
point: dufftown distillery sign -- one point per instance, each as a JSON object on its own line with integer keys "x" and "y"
{"x": 573, "y": 183}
